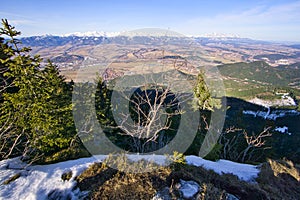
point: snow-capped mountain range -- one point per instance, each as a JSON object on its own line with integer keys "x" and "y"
{"x": 140, "y": 33}
{"x": 98, "y": 37}
{"x": 217, "y": 35}
{"x": 92, "y": 34}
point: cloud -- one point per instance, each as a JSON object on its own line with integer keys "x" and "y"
{"x": 258, "y": 16}
{"x": 260, "y": 22}
{"x": 21, "y": 22}
{"x": 17, "y": 19}
{"x": 283, "y": 12}
{"x": 8, "y": 14}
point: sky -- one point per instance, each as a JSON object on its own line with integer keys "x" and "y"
{"x": 273, "y": 20}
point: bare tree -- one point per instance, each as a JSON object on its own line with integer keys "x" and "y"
{"x": 152, "y": 112}
{"x": 232, "y": 144}
{"x": 7, "y": 146}
{"x": 254, "y": 141}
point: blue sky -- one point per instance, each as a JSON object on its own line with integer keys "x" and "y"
{"x": 277, "y": 20}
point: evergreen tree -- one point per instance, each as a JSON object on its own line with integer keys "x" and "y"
{"x": 36, "y": 116}
{"x": 17, "y": 71}
{"x": 203, "y": 98}
{"x": 52, "y": 114}
{"x": 4, "y": 82}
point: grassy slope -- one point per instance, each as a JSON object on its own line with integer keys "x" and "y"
{"x": 247, "y": 80}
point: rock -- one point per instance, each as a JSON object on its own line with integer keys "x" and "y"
{"x": 229, "y": 196}
{"x": 59, "y": 195}
{"x": 66, "y": 176}
{"x": 163, "y": 194}
{"x": 188, "y": 189}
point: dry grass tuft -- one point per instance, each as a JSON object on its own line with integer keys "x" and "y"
{"x": 209, "y": 191}
{"x": 94, "y": 176}
{"x": 11, "y": 179}
{"x": 280, "y": 179}
{"x": 106, "y": 182}
{"x": 284, "y": 167}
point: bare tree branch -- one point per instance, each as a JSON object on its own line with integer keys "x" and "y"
{"x": 153, "y": 109}
{"x": 232, "y": 144}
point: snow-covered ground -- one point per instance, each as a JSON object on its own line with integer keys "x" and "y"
{"x": 245, "y": 172}
{"x": 284, "y": 101}
{"x": 283, "y": 129}
{"x": 271, "y": 115}
{"x": 37, "y": 181}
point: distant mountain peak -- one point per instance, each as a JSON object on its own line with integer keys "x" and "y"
{"x": 222, "y": 35}
{"x": 92, "y": 34}
{"x": 146, "y": 32}
{"x": 219, "y": 35}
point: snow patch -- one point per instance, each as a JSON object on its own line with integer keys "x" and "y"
{"x": 285, "y": 100}
{"x": 37, "y": 181}
{"x": 245, "y": 172}
{"x": 283, "y": 129}
{"x": 271, "y": 115}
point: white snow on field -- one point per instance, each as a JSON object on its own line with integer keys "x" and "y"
{"x": 37, "y": 181}
{"x": 283, "y": 129}
{"x": 285, "y": 100}
{"x": 245, "y": 172}
{"x": 271, "y": 115}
